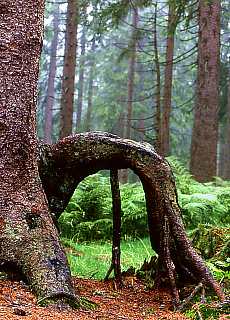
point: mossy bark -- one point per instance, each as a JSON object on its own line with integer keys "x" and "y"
{"x": 63, "y": 165}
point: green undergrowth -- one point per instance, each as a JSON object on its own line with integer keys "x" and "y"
{"x": 88, "y": 216}
{"x": 201, "y": 311}
{"x": 86, "y": 226}
{"x": 92, "y": 260}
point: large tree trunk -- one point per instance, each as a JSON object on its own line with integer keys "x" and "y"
{"x": 28, "y": 239}
{"x": 205, "y": 129}
{"x": 65, "y": 164}
{"x": 68, "y": 77}
{"x": 51, "y": 79}
{"x": 167, "y": 95}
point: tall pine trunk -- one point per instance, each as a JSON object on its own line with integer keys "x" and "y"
{"x": 141, "y": 97}
{"x": 68, "y": 77}
{"x": 88, "y": 124}
{"x": 205, "y": 129}
{"x": 225, "y": 163}
{"x": 81, "y": 80}
{"x": 130, "y": 85}
{"x": 167, "y": 94}
{"x": 51, "y": 80}
{"x": 157, "y": 118}
{"x": 131, "y": 74}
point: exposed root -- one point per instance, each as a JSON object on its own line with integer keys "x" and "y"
{"x": 67, "y": 301}
{"x": 188, "y": 300}
{"x": 80, "y": 155}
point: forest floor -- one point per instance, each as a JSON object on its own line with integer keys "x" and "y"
{"x": 132, "y": 302}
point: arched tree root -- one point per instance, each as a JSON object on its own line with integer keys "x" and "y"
{"x": 63, "y": 165}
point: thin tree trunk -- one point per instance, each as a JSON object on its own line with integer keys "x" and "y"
{"x": 51, "y": 79}
{"x": 28, "y": 238}
{"x": 141, "y": 96}
{"x": 68, "y": 77}
{"x": 88, "y": 124}
{"x": 222, "y": 153}
{"x": 131, "y": 74}
{"x": 157, "y": 122}
{"x": 205, "y": 129}
{"x": 167, "y": 94}
{"x": 130, "y": 86}
{"x": 226, "y": 145}
{"x": 81, "y": 79}
{"x": 116, "y": 247}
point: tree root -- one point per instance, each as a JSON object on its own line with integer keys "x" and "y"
{"x": 65, "y": 164}
{"x": 66, "y": 301}
{"x": 188, "y": 300}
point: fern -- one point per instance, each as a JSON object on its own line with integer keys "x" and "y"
{"x": 88, "y": 215}
{"x": 183, "y": 177}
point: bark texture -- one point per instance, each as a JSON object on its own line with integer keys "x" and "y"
{"x": 51, "y": 79}
{"x": 205, "y": 129}
{"x": 28, "y": 239}
{"x": 65, "y": 164}
{"x": 68, "y": 77}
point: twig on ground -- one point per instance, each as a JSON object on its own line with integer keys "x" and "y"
{"x": 186, "y": 301}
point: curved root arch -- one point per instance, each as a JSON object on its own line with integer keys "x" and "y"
{"x": 66, "y": 163}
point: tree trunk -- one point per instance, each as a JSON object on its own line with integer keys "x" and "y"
{"x": 116, "y": 247}
{"x": 81, "y": 79}
{"x": 141, "y": 127}
{"x": 51, "y": 79}
{"x": 225, "y": 170}
{"x": 28, "y": 239}
{"x": 68, "y": 77}
{"x": 167, "y": 94}
{"x": 130, "y": 86}
{"x": 157, "y": 123}
{"x": 205, "y": 128}
{"x": 80, "y": 155}
{"x": 140, "y": 91}
{"x": 131, "y": 74}
{"x": 88, "y": 124}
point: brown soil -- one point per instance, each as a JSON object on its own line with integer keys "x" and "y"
{"x": 132, "y": 302}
